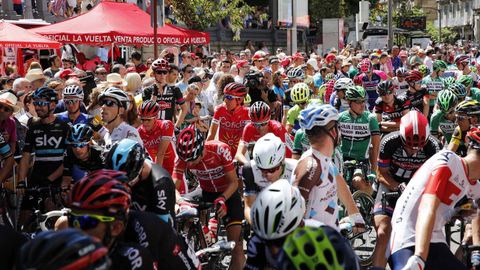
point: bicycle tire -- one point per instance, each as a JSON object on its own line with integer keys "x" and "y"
{"x": 364, "y": 243}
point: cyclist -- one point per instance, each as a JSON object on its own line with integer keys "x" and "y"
{"x": 211, "y": 162}
{"x": 459, "y": 90}
{"x": 472, "y": 92}
{"x": 434, "y": 82}
{"x": 417, "y": 93}
{"x": 6, "y": 157}
{"x": 73, "y": 99}
{"x": 418, "y": 240}
{"x": 462, "y": 62}
{"x": 329, "y": 88}
{"x": 300, "y": 95}
{"x": 448, "y": 81}
{"x": 337, "y": 99}
{"x": 165, "y": 95}
{"x": 114, "y": 103}
{"x": 261, "y": 124}
{"x": 442, "y": 122}
{"x": 467, "y": 115}
{"x": 401, "y": 154}
{"x": 359, "y": 129}
{"x": 316, "y": 176}
{"x": 295, "y": 75}
{"x": 389, "y": 108}
{"x": 230, "y": 118}
{"x": 267, "y": 165}
{"x": 157, "y": 135}
{"x": 152, "y": 188}
{"x": 401, "y": 86}
{"x": 65, "y": 249}
{"x": 369, "y": 80}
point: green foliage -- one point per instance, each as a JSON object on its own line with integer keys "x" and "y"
{"x": 380, "y": 12}
{"x": 448, "y": 35}
{"x": 323, "y": 9}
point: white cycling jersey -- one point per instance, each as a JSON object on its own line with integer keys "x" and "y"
{"x": 443, "y": 175}
{"x": 123, "y": 131}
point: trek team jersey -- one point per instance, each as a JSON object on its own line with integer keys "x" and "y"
{"x": 162, "y": 131}
{"x": 167, "y": 99}
{"x": 230, "y": 125}
{"x": 357, "y": 133}
{"x": 251, "y": 135}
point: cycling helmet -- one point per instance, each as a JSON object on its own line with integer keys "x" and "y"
{"x": 329, "y": 76}
{"x": 365, "y": 65}
{"x": 385, "y": 88}
{"x": 446, "y": 100}
{"x": 424, "y": 70}
{"x": 64, "y": 249}
{"x": 317, "y": 248}
{"x": 118, "y": 94}
{"x": 45, "y": 93}
{"x": 79, "y": 133}
{"x": 461, "y": 58}
{"x": 414, "y": 76}
{"x": 269, "y": 151}
{"x": 355, "y": 93}
{"x": 474, "y": 138}
{"x": 401, "y": 71}
{"x": 247, "y": 100}
{"x": 342, "y": 84}
{"x": 468, "y": 107}
{"x": 317, "y": 115}
{"x": 458, "y": 89}
{"x": 101, "y": 191}
{"x": 329, "y": 87}
{"x": 148, "y": 109}
{"x": 160, "y": 64}
{"x": 296, "y": 73}
{"x": 300, "y": 93}
{"x": 448, "y": 81}
{"x": 473, "y": 69}
{"x": 73, "y": 91}
{"x": 235, "y": 89}
{"x": 414, "y": 129}
{"x": 277, "y": 210}
{"x": 128, "y": 156}
{"x": 466, "y": 80}
{"x": 259, "y": 112}
{"x": 189, "y": 144}
{"x": 439, "y": 64}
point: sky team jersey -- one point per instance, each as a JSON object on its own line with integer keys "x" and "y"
{"x": 392, "y": 113}
{"x": 167, "y": 100}
{"x": 315, "y": 176}
{"x": 251, "y": 135}
{"x": 444, "y": 175}
{"x": 230, "y": 125}
{"x": 434, "y": 85}
{"x": 253, "y": 180}
{"x": 162, "y": 131}
{"x": 356, "y": 134}
{"x": 438, "y": 123}
{"x": 210, "y": 172}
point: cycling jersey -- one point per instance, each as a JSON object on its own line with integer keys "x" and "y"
{"x": 155, "y": 194}
{"x": 254, "y": 181}
{"x": 251, "y": 135}
{"x": 392, "y": 113}
{"x": 439, "y": 122}
{"x": 315, "y": 176}
{"x": 230, "y": 125}
{"x": 5, "y": 150}
{"x": 416, "y": 98}
{"x": 433, "y": 85}
{"x": 167, "y": 100}
{"x": 445, "y": 176}
{"x": 401, "y": 88}
{"x": 211, "y": 170}
{"x": 122, "y": 131}
{"x": 94, "y": 162}
{"x": 474, "y": 94}
{"x": 168, "y": 249}
{"x": 162, "y": 131}
{"x": 340, "y": 104}
{"x": 258, "y": 255}
{"x": 458, "y": 138}
{"x": 294, "y": 112}
{"x": 81, "y": 119}
{"x": 300, "y": 143}
{"x": 370, "y": 85}
{"x": 357, "y": 133}
{"x": 130, "y": 256}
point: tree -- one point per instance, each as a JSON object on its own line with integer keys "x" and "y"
{"x": 323, "y": 9}
{"x": 380, "y": 13}
{"x": 448, "y": 35}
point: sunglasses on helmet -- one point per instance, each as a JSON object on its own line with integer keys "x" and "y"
{"x": 87, "y": 221}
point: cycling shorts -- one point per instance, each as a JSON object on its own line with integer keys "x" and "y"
{"x": 389, "y": 203}
{"x": 439, "y": 257}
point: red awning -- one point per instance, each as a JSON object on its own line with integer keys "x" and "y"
{"x": 17, "y": 37}
{"x": 119, "y": 23}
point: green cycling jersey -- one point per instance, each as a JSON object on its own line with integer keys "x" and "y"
{"x": 434, "y": 85}
{"x": 438, "y": 122}
{"x": 357, "y": 134}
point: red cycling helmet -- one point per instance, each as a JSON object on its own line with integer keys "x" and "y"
{"x": 259, "y": 112}
{"x": 148, "y": 109}
{"x": 329, "y": 88}
{"x": 413, "y": 76}
{"x": 235, "y": 89}
{"x": 414, "y": 130}
{"x": 474, "y": 138}
{"x": 189, "y": 144}
{"x": 160, "y": 64}
{"x": 365, "y": 65}
{"x": 102, "y": 191}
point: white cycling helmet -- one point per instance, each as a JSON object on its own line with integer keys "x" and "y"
{"x": 118, "y": 94}
{"x": 342, "y": 84}
{"x": 73, "y": 91}
{"x": 277, "y": 211}
{"x": 317, "y": 115}
{"x": 269, "y": 151}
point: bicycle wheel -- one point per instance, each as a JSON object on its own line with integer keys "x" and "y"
{"x": 364, "y": 243}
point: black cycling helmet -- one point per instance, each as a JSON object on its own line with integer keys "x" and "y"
{"x": 385, "y": 88}
{"x": 64, "y": 249}
{"x": 79, "y": 133}
{"x": 45, "y": 93}
{"x": 190, "y": 144}
{"x": 128, "y": 156}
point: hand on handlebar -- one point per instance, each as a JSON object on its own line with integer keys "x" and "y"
{"x": 221, "y": 206}
{"x": 358, "y": 223}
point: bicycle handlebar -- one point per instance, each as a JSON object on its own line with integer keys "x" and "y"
{"x": 220, "y": 246}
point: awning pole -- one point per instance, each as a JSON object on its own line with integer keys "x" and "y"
{"x": 113, "y": 52}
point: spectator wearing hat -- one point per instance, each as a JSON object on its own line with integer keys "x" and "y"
{"x": 403, "y": 55}
{"x": 115, "y": 79}
{"x": 298, "y": 59}
{"x": 274, "y": 63}
{"x": 243, "y": 68}
{"x": 258, "y": 60}
{"x": 344, "y": 69}
{"x": 36, "y": 78}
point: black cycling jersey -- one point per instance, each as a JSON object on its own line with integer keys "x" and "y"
{"x": 130, "y": 256}
{"x": 155, "y": 194}
{"x": 5, "y": 150}
{"x": 10, "y": 244}
{"x": 416, "y": 99}
{"x": 95, "y": 161}
{"x": 258, "y": 255}
{"x": 167, "y": 100}
{"x": 391, "y": 114}
{"x": 47, "y": 141}
{"x": 402, "y": 166}
{"x": 168, "y": 249}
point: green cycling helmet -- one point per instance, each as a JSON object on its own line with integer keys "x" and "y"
{"x": 424, "y": 70}
{"x": 458, "y": 89}
{"x": 300, "y": 93}
{"x": 355, "y": 93}
{"x": 448, "y": 81}
{"x": 439, "y": 64}
{"x": 446, "y": 100}
{"x": 466, "y": 80}
{"x": 247, "y": 100}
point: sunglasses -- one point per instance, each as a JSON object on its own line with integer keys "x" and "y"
{"x": 147, "y": 119}
{"x": 101, "y": 73}
{"x": 161, "y": 72}
{"x": 418, "y": 82}
{"x": 189, "y": 71}
{"x": 302, "y": 103}
{"x": 41, "y": 103}
{"x": 360, "y": 101}
{"x": 87, "y": 221}
{"x": 108, "y": 102}
{"x": 230, "y": 97}
{"x": 272, "y": 170}
{"x": 259, "y": 125}
{"x": 79, "y": 145}
{"x": 461, "y": 117}
{"x": 386, "y": 93}
{"x": 71, "y": 101}
{"x": 5, "y": 108}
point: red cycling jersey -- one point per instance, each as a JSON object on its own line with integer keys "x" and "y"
{"x": 251, "y": 135}
{"x": 230, "y": 124}
{"x": 162, "y": 131}
{"x": 210, "y": 171}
